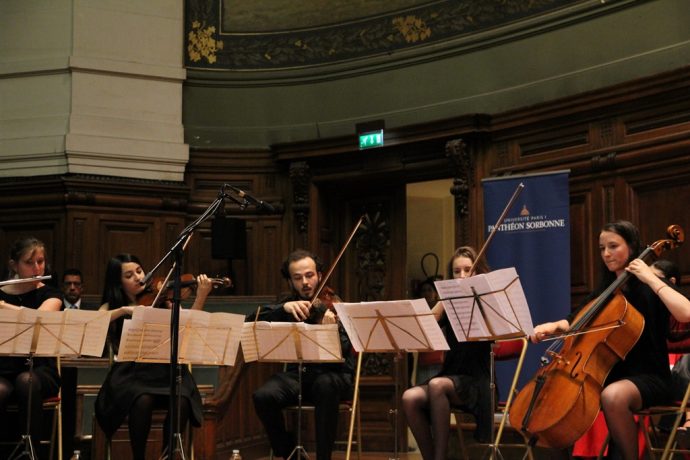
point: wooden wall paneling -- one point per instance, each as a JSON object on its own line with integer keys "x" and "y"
{"x": 138, "y": 235}
{"x": 257, "y": 174}
{"x": 660, "y": 195}
{"x": 46, "y": 226}
{"x": 198, "y": 260}
{"x": 267, "y": 255}
{"x": 82, "y": 238}
{"x": 582, "y": 249}
{"x": 236, "y": 424}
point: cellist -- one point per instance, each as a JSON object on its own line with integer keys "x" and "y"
{"x": 643, "y": 378}
{"x": 323, "y": 384}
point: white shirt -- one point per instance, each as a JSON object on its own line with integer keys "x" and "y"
{"x": 69, "y": 305}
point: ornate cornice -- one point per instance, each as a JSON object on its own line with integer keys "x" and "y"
{"x": 407, "y": 32}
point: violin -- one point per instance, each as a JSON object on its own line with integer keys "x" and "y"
{"x": 188, "y": 283}
{"x": 323, "y": 303}
{"x": 559, "y": 405}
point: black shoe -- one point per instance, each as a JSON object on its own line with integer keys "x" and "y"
{"x": 683, "y": 437}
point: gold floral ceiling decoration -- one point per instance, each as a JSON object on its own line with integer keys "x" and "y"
{"x": 288, "y": 34}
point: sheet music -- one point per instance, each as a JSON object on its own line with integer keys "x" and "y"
{"x": 204, "y": 338}
{"x": 56, "y": 333}
{"x": 391, "y": 325}
{"x": 250, "y": 351}
{"x": 291, "y": 342}
{"x": 15, "y": 333}
{"x": 72, "y": 333}
{"x": 486, "y": 306}
{"x": 210, "y": 338}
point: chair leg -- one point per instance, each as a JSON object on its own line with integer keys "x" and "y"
{"x": 461, "y": 439}
{"x": 53, "y": 434}
{"x": 59, "y": 430}
{"x": 359, "y": 435}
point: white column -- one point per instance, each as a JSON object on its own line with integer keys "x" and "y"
{"x": 92, "y": 87}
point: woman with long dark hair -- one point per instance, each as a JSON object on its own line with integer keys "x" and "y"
{"x": 643, "y": 378}
{"x": 132, "y": 389}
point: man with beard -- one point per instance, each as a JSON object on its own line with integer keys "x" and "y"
{"x": 323, "y": 385}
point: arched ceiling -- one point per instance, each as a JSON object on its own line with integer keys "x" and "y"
{"x": 255, "y": 35}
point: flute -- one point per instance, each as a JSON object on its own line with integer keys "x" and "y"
{"x": 33, "y": 279}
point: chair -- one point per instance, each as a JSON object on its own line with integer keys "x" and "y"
{"x": 501, "y": 350}
{"x": 345, "y": 407}
{"x": 660, "y": 439}
{"x": 52, "y": 404}
{"x": 157, "y": 420}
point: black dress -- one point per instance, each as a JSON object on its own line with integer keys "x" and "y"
{"x": 44, "y": 368}
{"x": 646, "y": 365}
{"x": 126, "y": 381}
{"x": 468, "y": 365}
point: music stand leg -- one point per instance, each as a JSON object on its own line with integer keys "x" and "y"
{"x": 25, "y": 441}
{"x": 396, "y": 410}
{"x": 299, "y": 449}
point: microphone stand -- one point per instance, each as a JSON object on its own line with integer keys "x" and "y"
{"x": 176, "y": 252}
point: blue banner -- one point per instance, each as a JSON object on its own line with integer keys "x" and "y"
{"x": 535, "y": 239}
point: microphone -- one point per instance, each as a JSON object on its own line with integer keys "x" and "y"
{"x": 249, "y": 199}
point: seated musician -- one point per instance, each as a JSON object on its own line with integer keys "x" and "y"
{"x": 643, "y": 378}
{"x": 680, "y": 373}
{"x": 133, "y": 389}
{"x": 28, "y": 260}
{"x": 464, "y": 380}
{"x": 323, "y": 385}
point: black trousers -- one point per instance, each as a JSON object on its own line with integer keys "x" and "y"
{"x": 324, "y": 390}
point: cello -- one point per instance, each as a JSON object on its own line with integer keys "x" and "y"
{"x": 561, "y": 402}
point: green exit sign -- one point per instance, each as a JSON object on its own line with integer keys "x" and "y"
{"x": 372, "y": 139}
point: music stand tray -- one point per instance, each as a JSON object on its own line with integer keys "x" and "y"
{"x": 285, "y": 342}
{"x": 34, "y": 333}
{"x": 390, "y": 327}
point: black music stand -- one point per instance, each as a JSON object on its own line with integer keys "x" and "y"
{"x": 385, "y": 327}
{"x": 489, "y": 307}
{"x": 206, "y": 339}
{"x": 299, "y": 343}
{"x": 176, "y": 252}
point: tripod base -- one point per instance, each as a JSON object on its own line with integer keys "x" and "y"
{"x": 298, "y": 452}
{"x": 26, "y": 452}
{"x": 178, "y": 449}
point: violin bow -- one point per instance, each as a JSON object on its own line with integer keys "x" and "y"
{"x": 512, "y": 200}
{"x": 337, "y": 259}
{"x": 170, "y": 272}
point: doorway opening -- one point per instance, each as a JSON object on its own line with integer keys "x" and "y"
{"x": 430, "y": 230}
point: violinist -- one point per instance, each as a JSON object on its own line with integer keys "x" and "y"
{"x": 464, "y": 379}
{"x": 134, "y": 389}
{"x": 643, "y": 378}
{"x": 324, "y": 385}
